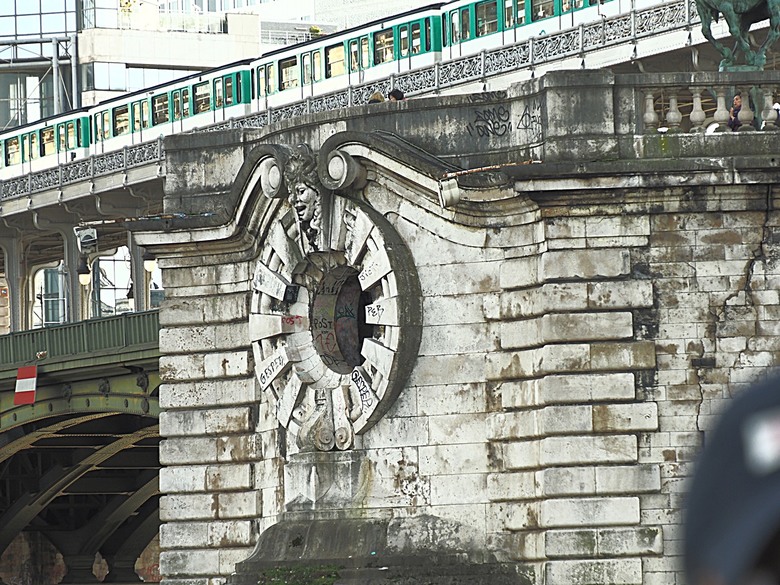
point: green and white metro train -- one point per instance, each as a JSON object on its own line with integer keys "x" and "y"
{"x": 411, "y": 40}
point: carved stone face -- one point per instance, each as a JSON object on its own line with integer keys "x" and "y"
{"x": 304, "y": 199}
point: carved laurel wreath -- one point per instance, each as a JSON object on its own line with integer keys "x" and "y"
{"x": 336, "y": 310}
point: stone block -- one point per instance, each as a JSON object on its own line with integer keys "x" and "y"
{"x": 461, "y": 369}
{"x": 450, "y": 310}
{"x": 642, "y": 416}
{"x": 519, "y": 272}
{"x": 227, "y": 364}
{"x": 239, "y": 448}
{"x": 567, "y": 481}
{"x": 457, "y": 339}
{"x": 511, "y": 486}
{"x": 455, "y": 279}
{"x": 513, "y": 425}
{"x": 513, "y": 516}
{"x": 451, "y": 399}
{"x": 619, "y": 225}
{"x": 557, "y": 420}
{"x": 228, "y": 420}
{"x": 177, "y": 507}
{"x": 594, "y": 572}
{"x": 177, "y": 423}
{"x": 183, "y": 479}
{"x": 453, "y": 428}
{"x": 184, "y": 535}
{"x": 179, "y": 451}
{"x": 586, "y": 326}
{"x": 223, "y": 534}
{"x": 570, "y": 543}
{"x": 179, "y": 368}
{"x": 454, "y": 459}
{"x": 608, "y": 511}
{"x": 521, "y": 455}
{"x": 585, "y": 264}
{"x": 624, "y": 294}
{"x": 399, "y": 432}
{"x": 466, "y": 489}
{"x": 578, "y": 388}
{"x": 628, "y": 479}
{"x": 635, "y": 541}
{"x": 239, "y": 504}
{"x": 588, "y": 449}
{"x": 630, "y": 356}
{"x": 229, "y": 477}
{"x": 187, "y": 339}
{"x": 565, "y": 227}
{"x": 175, "y": 563}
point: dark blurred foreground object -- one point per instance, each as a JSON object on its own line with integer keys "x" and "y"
{"x": 732, "y": 523}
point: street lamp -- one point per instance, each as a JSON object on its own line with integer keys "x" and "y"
{"x": 150, "y": 261}
{"x": 85, "y": 275}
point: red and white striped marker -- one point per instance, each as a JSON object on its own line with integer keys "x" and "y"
{"x": 26, "y": 381}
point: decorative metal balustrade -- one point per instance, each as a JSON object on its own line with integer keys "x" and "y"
{"x": 85, "y": 169}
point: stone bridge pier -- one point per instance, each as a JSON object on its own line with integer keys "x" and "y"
{"x": 466, "y": 339}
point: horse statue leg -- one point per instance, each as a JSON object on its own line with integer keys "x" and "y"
{"x": 738, "y": 31}
{"x": 706, "y": 14}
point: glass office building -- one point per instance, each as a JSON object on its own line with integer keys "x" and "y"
{"x": 34, "y": 34}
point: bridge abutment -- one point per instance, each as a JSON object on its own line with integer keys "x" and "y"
{"x": 549, "y": 312}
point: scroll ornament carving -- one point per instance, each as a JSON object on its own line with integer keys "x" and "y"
{"x": 336, "y": 305}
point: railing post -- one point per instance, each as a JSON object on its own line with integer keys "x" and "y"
{"x": 769, "y": 114}
{"x": 650, "y": 117}
{"x": 436, "y": 76}
{"x": 698, "y": 115}
{"x": 721, "y": 115}
{"x": 673, "y": 115}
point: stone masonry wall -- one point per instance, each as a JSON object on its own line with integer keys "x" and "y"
{"x": 577, "y": 339}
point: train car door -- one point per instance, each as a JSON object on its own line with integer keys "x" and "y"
{"x": 311, "y": 71}
{"x": 358, "y": 59}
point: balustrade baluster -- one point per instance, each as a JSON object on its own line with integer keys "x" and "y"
{"x": 650, "y": 117}
{"x": 698, "y": 114}
{"x": 769, "y": 114}
{"x": 721, "y": 112}
{"x": 745, "y": 115}
{"x": 673, "y": 114}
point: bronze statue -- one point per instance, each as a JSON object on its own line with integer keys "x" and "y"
{"x": 740, "y": 15}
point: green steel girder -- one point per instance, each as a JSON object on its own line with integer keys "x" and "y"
{"x": 27, "y": 507}
{"x": 133, "y": 393}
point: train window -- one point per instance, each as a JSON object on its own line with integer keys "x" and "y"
{"x": 135, "y": 112}
{"x": 428, "y": 34}
{"x": 520, "y": 12}
{"x": 202, "y": 97}
{"x": 219, "y": 97}
{"x": 12, "y": 154}
{"x": 364, "y": 51}
{"x": 383, "y": 46}
{"x": 229, "y": 91}
{"x": 306, "y": 68}
{"x": 176, "y": 104}
{"x": 541, "y": 9}
{"x": 121, "y": 122}
{"x": 160, "y": 113}
{"x": 354, "y": 56}
{"x": 334, "y": 61}
{"x": 444, "y": 30}
{"x": 465, "y": 23}
{"x": 403, "y": 40}
{"x": 317, "y": 65}
{"x": 416, "y": 41}
{"x": 272, "y": 86}
{"x": 261, "y": 85}
{"x": 454, "y": 27}
{"x": 288, "y": 73}
{"x": 35, "y": 150}
{"x": 185, "y": 102}
{"x": 487, "y": 18}
{"x": 98, "y": 133}
{"x": 145, "y": 114}
{"x": 106, "y": 125}
{"x": 509, "y": 14}
{"x": 47, "y": 141}
{"x": 62, "y": 144}
{"x": 71, "y": 135}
